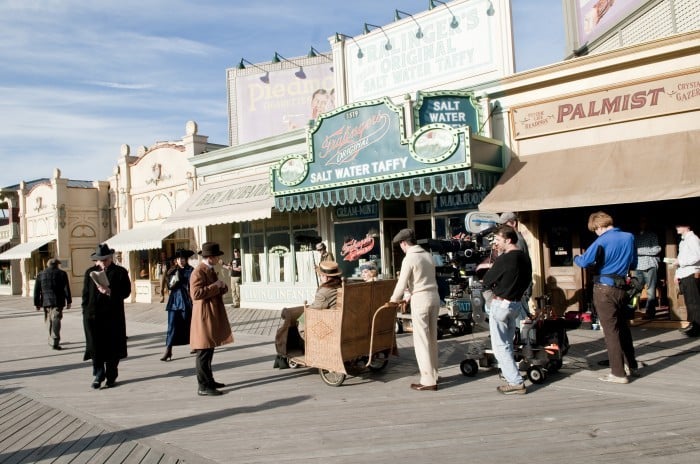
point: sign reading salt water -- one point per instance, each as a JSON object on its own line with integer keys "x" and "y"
{"x": 364, "y": 143}
{"x": 453, "y": 108}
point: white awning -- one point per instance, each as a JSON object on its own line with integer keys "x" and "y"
{"x": 24, "y": 250}
{"x": 141, "y": 238}
{"x": 225, "y": 202}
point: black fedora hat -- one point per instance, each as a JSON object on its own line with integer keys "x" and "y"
{"x": 103, "y": 251}
{"x": 182, "y": 253}
{"x": 210, "y": 249}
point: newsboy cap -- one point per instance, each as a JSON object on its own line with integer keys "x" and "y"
{"x": 404, "y": 234}
{"x": 507, "y": 217}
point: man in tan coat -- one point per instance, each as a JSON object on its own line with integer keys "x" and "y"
{"x": 210, "y": 326}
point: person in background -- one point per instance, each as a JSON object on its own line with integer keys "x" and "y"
{"x": 417, "y": 275}
{"x": 688, "y": 275}
{"x": 104, "y": 321}
{"x": 508, "y": 279}
{"x": 163, "y": 265}
{"x": 648, "y": 250}
{"x": 179, "y": 306}
{"x": 52, "y": 293}
{"x": 612, "y": 255}
{"x": 235, "y": 267}
{"x": 369, "y": 272}
{"x": 511, "y": 219}
{"x": 210, "y": 326}
{"x": 324, "y": 254}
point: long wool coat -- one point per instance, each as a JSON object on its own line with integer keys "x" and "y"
{"x": 210, "y": 326}
{"x": 103, "y": 316}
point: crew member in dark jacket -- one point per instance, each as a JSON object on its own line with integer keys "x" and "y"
{"x": 103, "y": 316}
{"x": 52, "y": 292}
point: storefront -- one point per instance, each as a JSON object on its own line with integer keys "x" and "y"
{"x": 367, "y": 178}
{"x": 145, "y": 190}
{"x": 617, "y": 131}
{"x": 58, "y": 218}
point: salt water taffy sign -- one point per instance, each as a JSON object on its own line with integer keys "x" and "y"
{"x": 364, "y": 143}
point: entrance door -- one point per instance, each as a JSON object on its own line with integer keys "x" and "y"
{"x": 564, "y": 282}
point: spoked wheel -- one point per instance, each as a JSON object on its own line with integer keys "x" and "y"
{"x": 536, "y": 374}
{"x": 292, "y": 364}
{"x": 398, "y": 327}
{"x": 379, "y": 361}
{"x": 332, "y": 379}
{"x": 469, "y": 367}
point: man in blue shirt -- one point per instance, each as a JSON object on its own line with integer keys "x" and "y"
{"x": 612, "y": 255}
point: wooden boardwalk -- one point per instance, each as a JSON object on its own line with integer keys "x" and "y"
{"x": 49, "y": 413}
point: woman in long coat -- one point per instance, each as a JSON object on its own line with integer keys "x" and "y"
{"x": 210, "y": 326}
{"x": 103, "y": 317}
{"x": 179, "y": 306}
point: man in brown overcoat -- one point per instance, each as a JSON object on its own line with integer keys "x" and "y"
{"x": 210, "y": 327}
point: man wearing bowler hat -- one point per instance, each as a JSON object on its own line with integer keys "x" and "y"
{"x": 418, "y": 277}
{"x": 210, "y": 326}
{"x": 105, "y": 287}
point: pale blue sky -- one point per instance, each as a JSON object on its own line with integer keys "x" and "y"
{"x": 80, "y": 78}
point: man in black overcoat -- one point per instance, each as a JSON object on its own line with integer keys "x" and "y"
{"x": 103, "y": 315}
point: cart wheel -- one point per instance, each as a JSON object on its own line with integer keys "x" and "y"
{"x": 379, "y": 361}
{"x": 554, "y": 365}
{"x": 536, "y": 374}
{"x": 332, "y": 379}
{"x": 469, "y": 367}
{"x": 440, "y": 333}
{"x": 292, "y": 364}
{"x": 398, "y": 327}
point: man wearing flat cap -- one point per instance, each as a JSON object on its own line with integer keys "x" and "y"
{"x": 52, "y": 293}
{"x": 210, "y": 326}
{"x": 418, "y": 277}
{"x": 105, "y": 286}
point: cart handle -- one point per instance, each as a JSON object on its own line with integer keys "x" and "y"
{"x": 385, "y": 306}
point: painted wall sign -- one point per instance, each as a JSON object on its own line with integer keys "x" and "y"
{"x": 595, "y": 17}
{"x": 452, "y": 108}
{"x": 624, "y": 103}
{"x": 467, "y": 42}
{"x": 364, "y": 143}
{"x": 459, "y": 200}
{"x": 357, "y": 211}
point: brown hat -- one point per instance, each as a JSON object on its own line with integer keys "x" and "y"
{"x": 403, "y": 235}
{"x": 210, "y": 249}
{"x": 103, "y": 251}
{"x": 328, "y": 268}
{"x": 182, "y": 253}
{"x": 54, "y": 262}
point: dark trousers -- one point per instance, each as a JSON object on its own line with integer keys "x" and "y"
{"x": 105, "y": 370}
{"x": 690, "y": 288}
{"x": 205, "y": 377}
{"x": 609, "y": 304}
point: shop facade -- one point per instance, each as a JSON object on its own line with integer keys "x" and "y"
{"x": 617, "y": 131}
{"x": 144, "y": 191}
{"x": 58, "y": 218}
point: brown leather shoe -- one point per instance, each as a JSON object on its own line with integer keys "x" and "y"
{"x": 420, "y": 387}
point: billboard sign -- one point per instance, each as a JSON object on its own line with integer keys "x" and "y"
{"x": 595, "y": 17}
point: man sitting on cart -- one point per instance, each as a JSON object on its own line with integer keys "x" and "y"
{"x": 326, "y": 294}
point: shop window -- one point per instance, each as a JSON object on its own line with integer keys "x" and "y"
{"x": 394, "y": 209}
{"x": 422, "y": 207}
{"x": 560, "y": 246}
{"x": 357, "y": 243}
{"x": 5, "y": 273}
{"x": 39, "y": 260}
{"x": 447, "y": 227}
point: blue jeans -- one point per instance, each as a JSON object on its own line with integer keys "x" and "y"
{"x": 648, "y": 277}
{"x": 502, "y": 328}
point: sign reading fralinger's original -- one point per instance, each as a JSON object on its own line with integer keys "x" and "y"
{"x": 624, "y": 103}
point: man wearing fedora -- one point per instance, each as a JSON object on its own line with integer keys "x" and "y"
{"x": 52, "y": 293}
{"x": 418, "y": 277}
{"x": 210, "y": 326}
{"x": 103, "y": 315}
